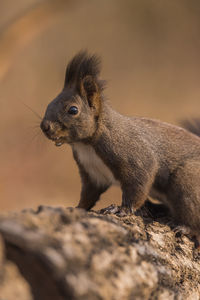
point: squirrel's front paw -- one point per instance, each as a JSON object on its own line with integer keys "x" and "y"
{"x": 125, "y": 211}
{"x": 112, "y": 209}
{"x": 116, "y": 210}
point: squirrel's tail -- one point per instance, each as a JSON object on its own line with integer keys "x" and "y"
{"x": 192, "y": 125}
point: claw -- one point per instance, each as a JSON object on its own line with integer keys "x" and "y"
{"x": 181, "y": 229}
{"x": 116, "y": 210}
{"x": 112, "y": 209}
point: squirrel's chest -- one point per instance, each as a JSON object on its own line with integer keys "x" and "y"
{"x": 94, "y": 165}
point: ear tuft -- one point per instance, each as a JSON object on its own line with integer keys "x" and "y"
{"x": 81, "y": 66}
{"x": 82, "y": 74}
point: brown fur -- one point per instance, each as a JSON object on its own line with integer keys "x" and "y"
{"x": 145, "y": 156}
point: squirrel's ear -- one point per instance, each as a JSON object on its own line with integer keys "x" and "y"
{"x": 89, "y": 90}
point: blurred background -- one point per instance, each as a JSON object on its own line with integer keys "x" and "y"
{"x": 151, "y": 58}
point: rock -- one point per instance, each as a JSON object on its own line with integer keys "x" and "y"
{"x": 67, "y": 253}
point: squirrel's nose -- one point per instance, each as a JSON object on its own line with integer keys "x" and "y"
{"x": 45, "y": 125}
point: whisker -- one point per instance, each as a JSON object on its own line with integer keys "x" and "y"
{"x": 33, "y": 111}
{"x": 34, "y": 136}
{"x": 35, "y": 142}
{"x": 41, "y": 142}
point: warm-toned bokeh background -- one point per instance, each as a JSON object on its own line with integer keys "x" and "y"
{"x": 151, "y": 59}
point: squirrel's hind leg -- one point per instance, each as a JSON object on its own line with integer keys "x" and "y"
{"x": 184, "y": 196}
{"x": 134, "y": 196}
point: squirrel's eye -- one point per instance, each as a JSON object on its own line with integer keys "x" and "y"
{"x": 73, "y": 110}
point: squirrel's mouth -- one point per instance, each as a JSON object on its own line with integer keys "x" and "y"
{"x": 58, "y": 141}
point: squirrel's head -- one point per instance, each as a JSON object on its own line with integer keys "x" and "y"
{"x": 73, "y": 115}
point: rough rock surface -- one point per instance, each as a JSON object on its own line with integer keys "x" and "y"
{"x": 58, "y": 253}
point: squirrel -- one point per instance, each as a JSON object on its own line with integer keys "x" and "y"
{"x": 146, "y": 157}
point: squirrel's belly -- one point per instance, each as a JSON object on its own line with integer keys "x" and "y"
{"x": 94, "y": 165}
